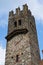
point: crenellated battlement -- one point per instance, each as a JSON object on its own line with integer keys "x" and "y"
{"x": 18, "y": 11}
{"x": 20, "y": 19}
{"x": 25, "y": 9}
{"x": 11, "y": 13}
{"x": 24, "y": 12}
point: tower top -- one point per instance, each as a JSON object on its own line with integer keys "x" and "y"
{"x": 18, "y": 11}
{"x": 19, "y": 22}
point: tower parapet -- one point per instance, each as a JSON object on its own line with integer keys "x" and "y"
{"x": 18, "y": 10}
{"x": 25, "y": 9}
{"x": 11, "y": 13}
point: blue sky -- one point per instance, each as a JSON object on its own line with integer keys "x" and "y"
{"x": 36, "y": 7}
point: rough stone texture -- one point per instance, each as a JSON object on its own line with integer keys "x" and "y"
{"x": 24, "y": 45}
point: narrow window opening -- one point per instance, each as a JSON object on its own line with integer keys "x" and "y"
{"x": 21, "y": 53}
{"x": 17, "y": 57}
{"x": 19, "y": 22}
{"x": 15, "y": 24}
{"x": 12, "y": 57}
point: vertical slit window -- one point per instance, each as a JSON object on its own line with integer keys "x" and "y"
{"x": 19, "y": 22}
{"x": 17, "y": 58}
{"x": 15, "y": 24}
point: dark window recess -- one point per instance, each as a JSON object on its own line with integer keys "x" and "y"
{"x": 19, "y": 22}
{"x": 12, "y": 57}
{"x": 17, "y": 57}
{"x": 15, "y": 24}
{"x": 21, "y": 53}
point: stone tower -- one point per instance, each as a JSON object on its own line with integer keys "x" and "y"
{"x": 22, "y": 43}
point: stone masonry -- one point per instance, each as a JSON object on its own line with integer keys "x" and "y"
{"x": 22, "y": 44}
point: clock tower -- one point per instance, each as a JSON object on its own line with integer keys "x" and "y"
{"x": 22, "y": 44}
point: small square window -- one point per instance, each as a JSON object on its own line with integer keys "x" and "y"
{"x": 15, "y": 24}
{"x": 19, "y": 22}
